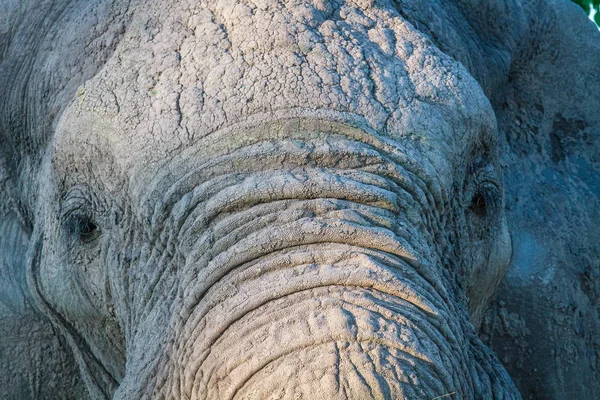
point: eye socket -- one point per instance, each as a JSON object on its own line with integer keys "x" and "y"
{"x": 76, "y": 210}
{"x": 88, "y": 230}
{"x": 485, "y": 198}
{"x": 479, "y": 205}
{"x": 83, "y": 228}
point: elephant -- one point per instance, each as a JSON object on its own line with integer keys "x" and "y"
{"x": 299, "y": 199}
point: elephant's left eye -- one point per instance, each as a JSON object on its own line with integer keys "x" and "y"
{"x": 479, "y": 205}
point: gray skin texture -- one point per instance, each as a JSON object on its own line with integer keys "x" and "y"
{"x": 295, "y": 199}
{"x": 545, "y": 321}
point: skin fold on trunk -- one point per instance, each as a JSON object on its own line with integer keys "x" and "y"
{"x": 306, "y": 273}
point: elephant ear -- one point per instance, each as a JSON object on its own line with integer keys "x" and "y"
{"x": 544, "y": 324}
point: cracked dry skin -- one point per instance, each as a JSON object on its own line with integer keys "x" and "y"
{"x": 268, "y": 199}
{"x": 295, "y": 175}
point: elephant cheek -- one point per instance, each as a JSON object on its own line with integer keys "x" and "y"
{"x": 503, "y": 249}
{"x": 484, "y": 280}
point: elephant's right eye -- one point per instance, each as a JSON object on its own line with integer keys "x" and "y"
{"x": 86, "y": 230}
{"x": 76, "y": 216}
{"x": 82, "y": 228}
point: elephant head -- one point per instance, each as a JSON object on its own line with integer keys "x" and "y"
{"x": 265, "y": 199}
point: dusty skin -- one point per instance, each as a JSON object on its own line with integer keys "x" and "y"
{"x": 299, "y": 200}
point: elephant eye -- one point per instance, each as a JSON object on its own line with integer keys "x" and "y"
{"x": 486, "y": 198}
{"x": 483, "y": 194}
{"x": 479, "y": 205}
{"x": 88, "y": 230}
{"x": 83, "y": 229}
{"x": 76, "y": 215}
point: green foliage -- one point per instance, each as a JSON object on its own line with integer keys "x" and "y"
{"x": 587, "y": 5}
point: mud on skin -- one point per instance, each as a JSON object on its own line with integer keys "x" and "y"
{"x": 264, "y": 199}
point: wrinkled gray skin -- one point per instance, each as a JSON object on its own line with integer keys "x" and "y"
{"x": 297, "y": 199}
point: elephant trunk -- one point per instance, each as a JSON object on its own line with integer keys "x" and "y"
{"x": 312, "y": 277}
{"x": 322, "y": 321}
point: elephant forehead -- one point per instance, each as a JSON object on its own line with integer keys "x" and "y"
{"x": 179, "y": 75}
